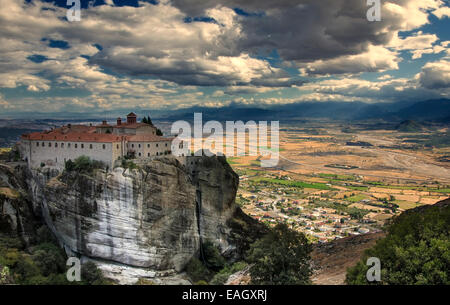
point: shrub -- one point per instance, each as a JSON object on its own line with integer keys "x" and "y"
{"x": 91, "y": 275}
{"x": 222, "y": 276}
{"x": 213, "y": 259}
{"x": 129, "y": 164}
{"x": 197, "y": 271}
{"x": 282, "y": 257}
{"x": 416, "y": 250}
{"x": 84, "y": 164}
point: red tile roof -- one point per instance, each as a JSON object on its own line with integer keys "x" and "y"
{"x": 81, "y": 133}
{"x": 71, "y": 136}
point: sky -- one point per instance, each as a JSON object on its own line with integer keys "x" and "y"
{"x": 182, "y": 53}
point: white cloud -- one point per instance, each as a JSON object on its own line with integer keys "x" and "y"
{"x": 442, "y": 12}
{"x": 376, "y": 59}
{"x": 436, "y": 75}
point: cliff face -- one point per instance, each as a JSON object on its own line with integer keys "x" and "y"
{"x": 145, "y": 222}
{"x": 16, "y": 215}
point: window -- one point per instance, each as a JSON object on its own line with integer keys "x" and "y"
{"x": 117, "y": 146}
{"x": 90, "y": 146}
{"x": 166, "y": 144}
{"x": 104, "y": 146}
{"x": 156, "y": 144}
{"x": 62, "y": 145}
{"x": 148, "y": 145}
{"x": 68, "y": 145}
{"x": 139, "y": 154}
{"x": 132, "y": 145}
{"x": 148, "y": 154}
{"x": 49, "y": 144}
{"x": 139, "y": 145}
{"x": 37, "y": 144}
{"x": 76, "y": 145}
{"x": 82, "y": 145}
{"x": 43, "y": 144}
{"x": 56, "y": 145}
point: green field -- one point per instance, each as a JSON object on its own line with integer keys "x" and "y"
{"x": 301, "y": 184}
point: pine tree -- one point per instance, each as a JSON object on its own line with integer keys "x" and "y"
{"x": 149, "y": 121}
{"x": 144, "y": 120}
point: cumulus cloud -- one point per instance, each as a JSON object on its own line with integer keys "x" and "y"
{"x": 442, "y": 12}
{"x": 436, "y": 75}
{"x": 376, "y": 59}
{"x": 154, "y": 55}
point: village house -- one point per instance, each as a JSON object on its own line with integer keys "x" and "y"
{"x": 104, "y": 142}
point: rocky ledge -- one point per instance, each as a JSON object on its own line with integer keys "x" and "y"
{"x": 140, "y": 223}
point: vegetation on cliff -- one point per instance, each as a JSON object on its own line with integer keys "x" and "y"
{"x": 416, "y": 249}
{"x": 41, "y": 263}
{"x": 282, "y": 257}
{"x": 84, "y": 164}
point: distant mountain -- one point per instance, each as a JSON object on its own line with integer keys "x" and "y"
{"x": 426, "y": 110}
{"x": 432, "y": 110}
{"x": 409, "y": 126}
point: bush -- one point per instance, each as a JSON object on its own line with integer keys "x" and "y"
{"x": 416, "y": 250}
{"x": 282, "y": 257}
{"x": 129, "y": 164}
{"x": 84, "y": 164}
{"x": 197, "y": 271}
{"x": 213, "y": 259}
{"x": 91, "y": 275}
{"x": 222, "y": 276}
{"x": 49, "y": 258}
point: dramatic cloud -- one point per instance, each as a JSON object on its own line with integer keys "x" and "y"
{"x": 174, "y": 52}
{"x": 436, "y": 75}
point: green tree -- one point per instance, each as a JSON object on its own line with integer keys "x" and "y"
{"x": 149, "y": 121}
{"x": 159, "y": 132}
{"x": 144, "y": 120}
{"x": 416, "y": 250}
{"x": 282, "y": 257}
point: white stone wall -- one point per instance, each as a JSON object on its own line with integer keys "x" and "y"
{"x": 149, "y": 149}
{"x": 56, "y": 156}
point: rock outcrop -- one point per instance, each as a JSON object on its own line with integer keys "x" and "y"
{"x": 140, "y": 223}
{"x": 16, "y": 214}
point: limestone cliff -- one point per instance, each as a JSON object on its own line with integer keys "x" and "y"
{"x": 145, "y": 222}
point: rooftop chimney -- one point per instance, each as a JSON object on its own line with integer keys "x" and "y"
{"x": 119, "y": 121}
